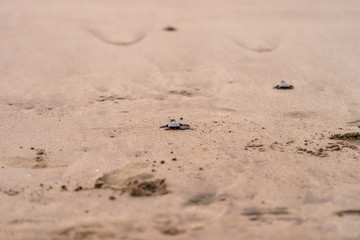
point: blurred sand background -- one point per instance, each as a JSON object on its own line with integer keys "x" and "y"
{"x": 85, "y": 85}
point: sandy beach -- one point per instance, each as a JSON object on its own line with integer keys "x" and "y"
{"x": 85, "y": 86}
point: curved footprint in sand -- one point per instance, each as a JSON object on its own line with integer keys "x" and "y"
{"x": 134, "y": 180}
{"x": 262, "y": 45}
{"x": 21, "y": 162}
{"x": 261, "y": 48}
{"x": 300, "y": 114}
{"x": 107, "y": 38}
{"x": 108, "y": 229}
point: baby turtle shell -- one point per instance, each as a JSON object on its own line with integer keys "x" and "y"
{"x": 173, "y": 125}
{"x": 284, "y": 85}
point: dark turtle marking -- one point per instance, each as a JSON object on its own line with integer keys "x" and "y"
{"x": 284, "y": 85}
{"x": 173, "y": 125}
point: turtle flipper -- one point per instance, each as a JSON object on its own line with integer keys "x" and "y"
{"x": 283, "y": 87}
{"x": 184, "y": 124}
{"x": 164, "y": 126}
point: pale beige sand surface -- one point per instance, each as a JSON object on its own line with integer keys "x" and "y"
{"x": 85, "y": 85}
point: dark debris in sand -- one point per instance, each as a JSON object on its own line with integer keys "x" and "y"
{"x": 320, "y": 152}
{"x": 255, "y": 213}
{"x": 40, "y": 158}
{"x": 202, "y": 199}
{"x": 259, "y": 211}
{"x": 170, "y": 230}
{"x": 170, "y": 29}
{"x": 346, "y": 136}
{"x": 183, "y": 93}
{"x": 140, "y": 185}
{"x": 255, "y": 144}
{"x": 11, "y": 192}
{"x": 112, "y": 98}
{"x": 352, "y": 212}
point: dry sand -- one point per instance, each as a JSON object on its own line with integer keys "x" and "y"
{"x": 85, "y": 85}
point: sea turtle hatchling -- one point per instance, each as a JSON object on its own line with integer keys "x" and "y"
{"x": 284, "y": 85}
{"x": 173, "y": 125}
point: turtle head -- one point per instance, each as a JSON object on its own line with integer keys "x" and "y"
{"x": 172, "y": 120}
